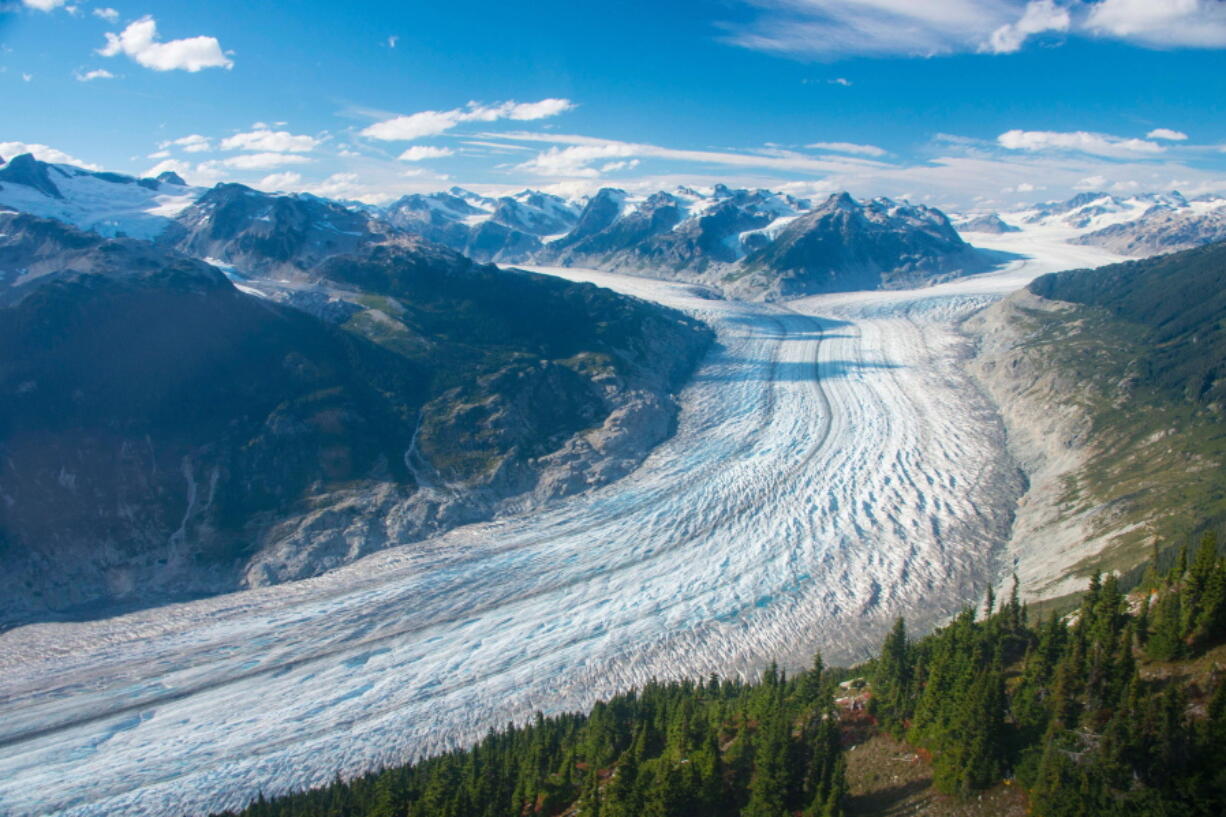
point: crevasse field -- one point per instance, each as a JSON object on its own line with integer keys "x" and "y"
{"x": 833, "y": 467}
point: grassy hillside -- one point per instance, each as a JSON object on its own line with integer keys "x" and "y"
{"x": 1143, "y": 349}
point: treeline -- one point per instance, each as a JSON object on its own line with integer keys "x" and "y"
{"x": 1058, "y": 705}
{"x": 684, "y": 749}
{"x": 1062, "y": 707}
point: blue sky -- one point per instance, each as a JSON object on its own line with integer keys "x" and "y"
{"x": 955, "y": 102}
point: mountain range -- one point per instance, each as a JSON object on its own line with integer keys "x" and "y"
{"x": 752, "y": 243}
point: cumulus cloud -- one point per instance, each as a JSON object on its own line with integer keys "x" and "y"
{"x": 173, "y": 165}
{"x": 262, "y": 161}
{"x": 97, "y": 73}
{"x": 280, "y": 181}
{"x": 1162, "y": 24}
{"x": 108, "y": 14}
{"x": 1039, "y": 16}
{"x": 1098, "y": 144}
{"x": 349, "y": 186}
{"x": 43, "y": 153}
{"x": 140, "y": 42}
{"x": 432, "y": 123}
{"x": 612, "y": 167}
{"x": 848, "y": 147}
{"x": 265, "y": 139}
{"x": 192, "y": 143}
{"x": 43, "y": 5}
{"x": 832, "y": 29}
{"x": 1168, "y": 134}
{"x": 419, "y": 153}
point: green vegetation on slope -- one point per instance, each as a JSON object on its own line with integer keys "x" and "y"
{"x": 1087, "y": 714}
{"x": 1065, "y": 707}
{"x": 1145, "y": 346}
{"x": 711, "y": 748}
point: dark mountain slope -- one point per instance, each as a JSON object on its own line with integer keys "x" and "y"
{"x": 845, "y": 245}
{"x": 274, "y": 235}
{"x": 1176, "y": 302}
{"x": 164, "y": 434}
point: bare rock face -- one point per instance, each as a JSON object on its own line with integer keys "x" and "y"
{"x": 165, "y": 434}
{"x": 1049, "y": 431}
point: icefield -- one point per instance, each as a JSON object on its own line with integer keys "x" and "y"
{"x": 833, "y": 467}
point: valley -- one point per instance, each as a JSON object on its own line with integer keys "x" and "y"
{"x": 834, "y": 463}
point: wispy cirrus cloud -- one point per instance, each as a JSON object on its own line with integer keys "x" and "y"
{"x": 1168, "y": 134}
{"x": 431, "y": 123}
{"x": 848, "y": 147}
{"x": 575, "y": 156}
{"x": 1098, "y": 144}
{"x": 832, "y": 29}
{"x": 90, "y": 76}
{"x": 192, "y": 143}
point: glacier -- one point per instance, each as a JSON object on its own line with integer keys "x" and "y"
{"x": 834, "y": 466}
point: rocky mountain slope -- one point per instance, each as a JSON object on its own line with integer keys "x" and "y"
{"x": 1111, "y": 383}
{"x": 1162, "y": 229}
{"x": 165, "y": 434}
{"x": 278, "y": 236}
{"x": 845, "y": 245}
{"x": 755, "y": 243}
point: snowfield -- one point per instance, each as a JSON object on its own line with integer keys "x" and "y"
{"x": 833, "y": 467}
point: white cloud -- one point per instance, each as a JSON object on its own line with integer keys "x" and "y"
{"x": 1091, "y": 183}
{"x": 612, "y": 167}
{"x": 139, "y": 41}
{"x": 834, "y": 28}
{"x": 97, "y": 73}
{"x": 848, "y": 147}
{"x": 392, "y": 40}
{"x": 1161, "y": 23}
{"x": 419, "y": 153}
{"x": 576, "y": 160}
{"x": 844, "y": 81}
{"x": 44, "y": 154}
{"x": 432, "y": 123}
{"x": 349, "y": 186}
{"x": 160, "y": 154}
{"x": 264, "y": 139}
{"x": 108, "y": 14}
{"x": 43, "y": 5}
{"x": 173, "y": 165}
{"x": 1099, "y": 144}
{"x": 192, "y": 143}
{"x": 262, "y": 161}
{"x": 1168, "y": 134}
{"x": 280, "y": 181}
{"x": 1039, "y": 16}
{"x": 840, "y": 28}
{"x": 26, "y": 77}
